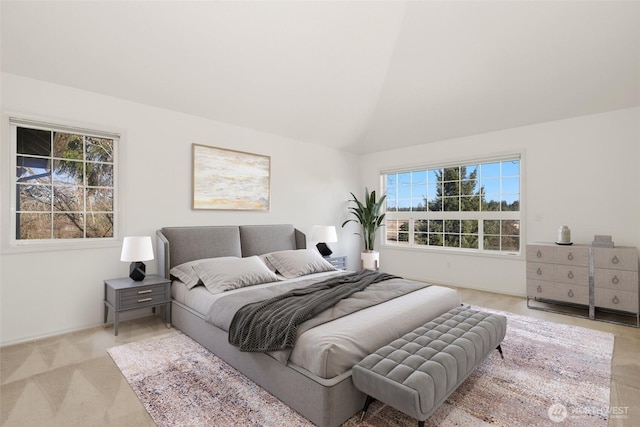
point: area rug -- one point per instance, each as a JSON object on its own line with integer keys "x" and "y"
{"x": 552, "y": 373}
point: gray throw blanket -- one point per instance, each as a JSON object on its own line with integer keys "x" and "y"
{"x": 271, "y": 325}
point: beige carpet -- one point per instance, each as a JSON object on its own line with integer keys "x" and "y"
{"x": 551, "y": 373}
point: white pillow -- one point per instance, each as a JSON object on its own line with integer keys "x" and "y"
{"x": 296, "y": 263}
{"x": 264, "y": 259}
{"x": 185, "y": 272}
{"x": 224, "y": 274}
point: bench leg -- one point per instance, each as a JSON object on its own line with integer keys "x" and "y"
{"x": 366, "y": 406}
{"x": 499, "y": 348}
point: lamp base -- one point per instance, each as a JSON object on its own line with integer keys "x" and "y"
{"x": 137, "y": 271}
{"x": 324, "y": 249}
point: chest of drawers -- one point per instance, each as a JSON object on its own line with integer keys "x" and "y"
{"x": 559, "y": 273}
{"x": 615, "y": 278}
{"x": 586, "y": 277}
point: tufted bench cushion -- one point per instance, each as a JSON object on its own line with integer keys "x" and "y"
{"x": 417, "y": 372}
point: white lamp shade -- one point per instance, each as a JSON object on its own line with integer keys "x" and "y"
{"x": 324, "y": 233}
{"x": 136, "y": 248}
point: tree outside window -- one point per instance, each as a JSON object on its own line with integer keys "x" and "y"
{"x": 473, "y": 206}
{"x": 64, "y": 185}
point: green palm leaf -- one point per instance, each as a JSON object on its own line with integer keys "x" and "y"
{"x": 368, "y": 215}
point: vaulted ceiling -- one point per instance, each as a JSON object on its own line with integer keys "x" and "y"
{"x": 360, "y": 76}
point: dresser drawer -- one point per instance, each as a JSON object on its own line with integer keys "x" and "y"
{"x": 616, "y": 300}
{"x": 571, "y": 255}
{"x": 539, "y": 289}
{"x": 571, "y": 274}
{"x": 540, "y": 253}
{"x": 616, "y": 279}
{"x": 539, "y": 271}
{"x": 576, "y": 294}
{"x": 616, "y": 258}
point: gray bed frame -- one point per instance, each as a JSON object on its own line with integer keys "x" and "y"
{"x": 326, "y": 403}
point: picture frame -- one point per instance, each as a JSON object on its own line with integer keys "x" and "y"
{"x": 225, "y": 179}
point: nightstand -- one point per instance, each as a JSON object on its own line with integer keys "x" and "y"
{"x": 339, "y": 262}
{"x": 125, "y": 294}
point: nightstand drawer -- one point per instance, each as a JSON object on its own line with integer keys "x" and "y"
{"x": 339, "y": 262}
{"x": 147, "y": 295}
{"x": 143, "y": 300}
{"x": 144, "y": 291}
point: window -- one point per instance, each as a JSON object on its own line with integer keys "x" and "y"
{"x": 473, "y": 206}
{"x": 64, "y": 184}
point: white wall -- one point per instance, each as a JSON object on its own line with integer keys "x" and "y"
{"x": 581, "y": 172}
{"x": 44, "y": 293}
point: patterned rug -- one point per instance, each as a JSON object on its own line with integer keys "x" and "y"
{"x": 551, "y": 374}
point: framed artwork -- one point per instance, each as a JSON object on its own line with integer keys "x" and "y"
{"x": 230, "y": 180}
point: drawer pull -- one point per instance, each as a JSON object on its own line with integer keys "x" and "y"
{"x": 539, "y": 289}
{"x": 539, "y": 254}
{"x": 145, "y": 299}
{"x": 570, "y": 256}
{"x": 615, "y": 260}
{"x": 615, "y": 280}
{"x": 145, "y": 291}
{"x": 539, "y": 272}
{"x": 570, "y": 293}
{"x": 570, "y": 275}
{"x": 615, "y": 300}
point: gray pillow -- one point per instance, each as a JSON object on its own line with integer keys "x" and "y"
{"x": 187, "y": 275}
{"x": 227, "y": 273}
{"x": 296, "y": 263}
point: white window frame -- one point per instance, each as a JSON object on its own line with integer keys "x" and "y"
{"x": 412, "y": 216}
{"x": 10, "y": 244}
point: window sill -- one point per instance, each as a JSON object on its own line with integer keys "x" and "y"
{"x": 458, "y": 252}
{"x": 65, "y": 245}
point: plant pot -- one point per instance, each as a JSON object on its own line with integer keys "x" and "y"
{"x": 370, "y": 260}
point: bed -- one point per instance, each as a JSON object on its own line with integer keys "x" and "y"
{"x": 315, "y": 377}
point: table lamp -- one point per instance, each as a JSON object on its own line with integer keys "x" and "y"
{"x": 137, "y": 249}
{"x": 323, "y": 234}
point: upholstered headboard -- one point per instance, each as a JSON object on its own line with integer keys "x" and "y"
{"x": 177, "y": 245}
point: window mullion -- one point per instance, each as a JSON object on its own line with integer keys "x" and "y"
{"x": 411, "y": 231}
{"x": 84, "y": 186}
{"x": 51, "y": 169}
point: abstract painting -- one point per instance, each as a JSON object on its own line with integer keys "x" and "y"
{"x": 230, "y": 180}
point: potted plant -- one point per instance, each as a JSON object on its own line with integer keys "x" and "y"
{"x": 368, "y": 215}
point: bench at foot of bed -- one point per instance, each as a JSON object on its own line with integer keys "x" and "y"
{"x": 417, "y": 372}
